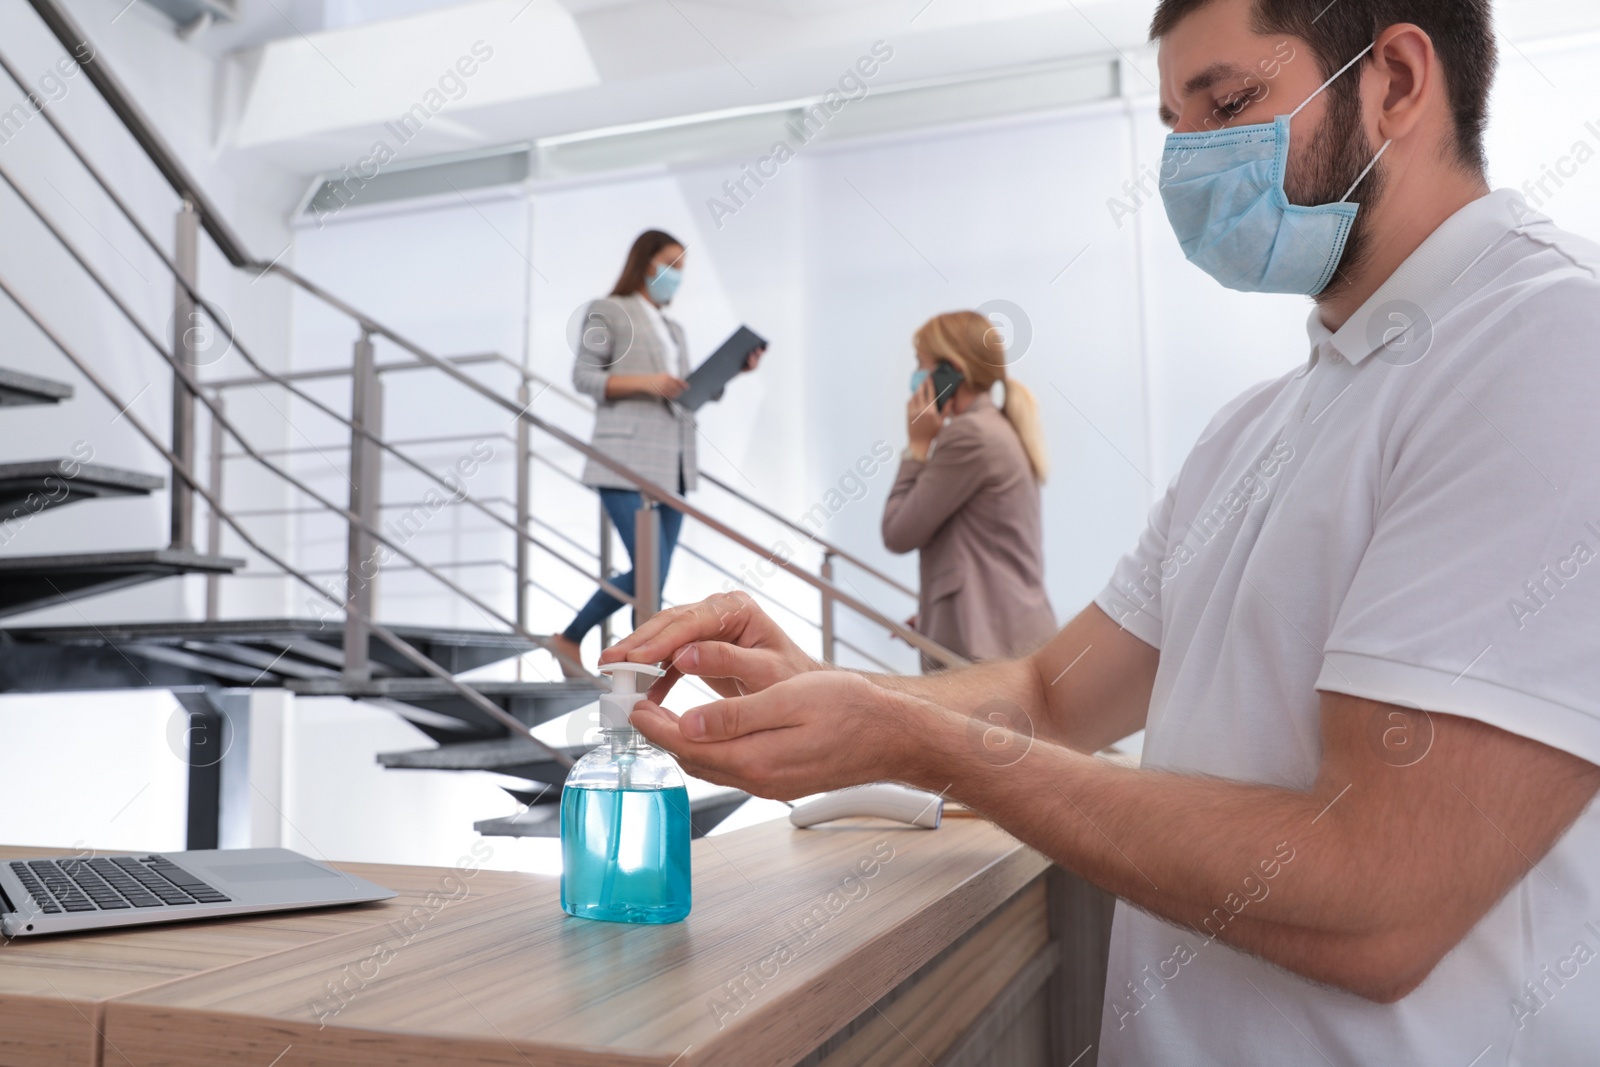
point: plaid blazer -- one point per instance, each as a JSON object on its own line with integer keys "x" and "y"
{"x": 652, "y": 436}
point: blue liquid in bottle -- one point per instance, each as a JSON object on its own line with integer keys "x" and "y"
{"x": 625, "y": 852}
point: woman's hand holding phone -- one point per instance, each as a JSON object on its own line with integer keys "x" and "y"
{"x": 923, "y": 420}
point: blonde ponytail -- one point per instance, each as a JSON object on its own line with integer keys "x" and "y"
{"x": 1022, "y": 408}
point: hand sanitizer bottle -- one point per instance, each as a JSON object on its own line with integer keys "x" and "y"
{"x": 625, "y": 819}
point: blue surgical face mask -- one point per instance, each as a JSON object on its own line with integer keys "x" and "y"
{"x": 918, "y": 378}
{"x": 1225, "y": 197}
{"x": 663, "y": 284}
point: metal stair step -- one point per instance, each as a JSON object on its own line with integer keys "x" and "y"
{"x": 514, "y": 756}
{"x": 254, "y": 652}
{"x": 22, "y": 390}
{"x": 531, "y": 703}
{"x": 31, "y": 582}
{"x": 544, "y": 819}
{"x": 30, "y": 488}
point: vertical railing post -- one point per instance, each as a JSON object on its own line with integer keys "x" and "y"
{"x": 361, "y": 559}
{"x": 646, "y": 564}
{"x": 214, "y": 515}
{"x": 523, "y": 505}
{"x": 185, "y": 347}
{"x": 607, "y": 572}
{"x": 828, "y": 635}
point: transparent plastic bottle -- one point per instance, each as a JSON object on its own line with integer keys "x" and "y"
{"x": 625, "y": 821}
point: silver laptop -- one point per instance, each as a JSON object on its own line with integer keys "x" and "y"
{"x": 63, "y": 894}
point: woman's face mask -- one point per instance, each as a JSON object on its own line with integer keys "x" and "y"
{"x": 918, "y": 378}
{"x": 663, "y": 284}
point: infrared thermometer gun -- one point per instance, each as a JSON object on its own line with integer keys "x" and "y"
{"x": 882, "y": 800}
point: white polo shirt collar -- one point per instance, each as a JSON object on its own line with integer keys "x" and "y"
{"x": 1428, "y": 281}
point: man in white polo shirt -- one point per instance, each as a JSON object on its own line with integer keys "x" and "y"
{"x": 1362, "y": 629}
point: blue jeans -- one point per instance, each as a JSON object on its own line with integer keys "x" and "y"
{"x": 623, "y": 506}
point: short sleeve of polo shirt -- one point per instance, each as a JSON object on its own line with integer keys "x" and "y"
{"x": 1479, "y": 593}
{"x": 1133, "y": 599}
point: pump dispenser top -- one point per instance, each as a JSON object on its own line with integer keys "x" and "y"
{"x": 629, "y": 684}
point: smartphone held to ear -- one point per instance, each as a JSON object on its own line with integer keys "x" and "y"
{"x": 946, "y": 380}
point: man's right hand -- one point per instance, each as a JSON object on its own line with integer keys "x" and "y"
{"x": 727, "y": 640}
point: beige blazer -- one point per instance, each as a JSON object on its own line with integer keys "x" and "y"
{"x": 654, "y": 437}
{"x": 973, "y": 511}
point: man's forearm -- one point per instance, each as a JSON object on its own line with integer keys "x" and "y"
{"x": 1259, "y": 868}
{"x": 1009, "y": 689}
{"x": 1087, "y": 689}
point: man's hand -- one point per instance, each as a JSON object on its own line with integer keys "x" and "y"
{"x": 1086, "y": 689}
{"x": 813, "y": 733}
{"x": 727, "y": 640}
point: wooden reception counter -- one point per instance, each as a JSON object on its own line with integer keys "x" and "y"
{"x": 859, "y": 943}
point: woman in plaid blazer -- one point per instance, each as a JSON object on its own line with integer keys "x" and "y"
{"x": 634, "y": 360}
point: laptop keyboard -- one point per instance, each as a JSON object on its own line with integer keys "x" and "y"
{"x": 117, "y": 883}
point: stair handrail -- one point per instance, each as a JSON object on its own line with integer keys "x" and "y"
{"x": 67, "y": 32}
{"x": 136, "y": 122}
{"x": 587, "y": 405}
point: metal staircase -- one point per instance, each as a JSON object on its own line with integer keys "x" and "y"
{"x": 28, "y": 583}
{"x": 426, "y": 674}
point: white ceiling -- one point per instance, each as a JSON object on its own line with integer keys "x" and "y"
{"x": 655, "y": 60}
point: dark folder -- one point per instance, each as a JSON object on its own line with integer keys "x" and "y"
{"x": 712, "y": 376}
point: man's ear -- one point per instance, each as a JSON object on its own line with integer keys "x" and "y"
{"x": 1407, "y": 68}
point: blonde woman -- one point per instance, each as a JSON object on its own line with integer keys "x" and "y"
{"x": 967, "y": 496}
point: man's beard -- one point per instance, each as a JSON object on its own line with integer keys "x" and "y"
{"x": 1335, "y": 156}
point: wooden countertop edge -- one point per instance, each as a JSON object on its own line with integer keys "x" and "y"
{"x": 965, "y": 906}
{"x": 379, "y": 1045}
{"x": 86, "y": 1018}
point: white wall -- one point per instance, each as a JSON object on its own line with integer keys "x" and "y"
{"x": 452, "y": 277}
{"x": 105, "y": 773}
